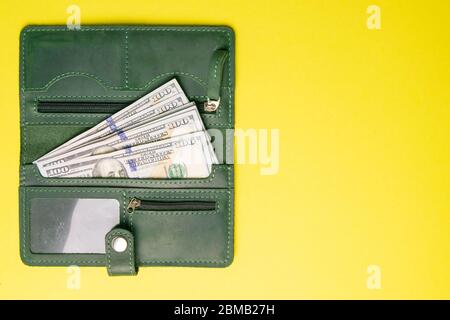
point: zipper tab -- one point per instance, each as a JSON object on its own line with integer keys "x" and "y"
{"x": 215, "y": 74}
{"x": 211, "y": 105}
{"x": 133, "y": 204}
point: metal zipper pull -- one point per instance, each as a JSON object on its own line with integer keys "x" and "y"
{"x": 133, "y": 204}
{"x": 215, "y": 73}
{"x": 211, "y": 105}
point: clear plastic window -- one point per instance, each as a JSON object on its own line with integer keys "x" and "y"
{"x": 71, "y": 225}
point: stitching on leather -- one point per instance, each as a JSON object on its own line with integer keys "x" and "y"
{"x": 81, "y": 123}
{"x": 25, "y": 241}
{"x": 24, "y": 224}
{"x": 230, "y": 182}
{"x": 74, "y": 74}
{"x": 175, "y": 73}
{"x": 25, "y": 217}
{"x": 91, "y": 123}
{"x": 195, "y": 194}
{"x": 107, "y": 86}
{"x": 135, "y": 28}
{"x": 22, "y": 107}
{"x": 126, "y": 59}
{"x": 221, "y": 60}
{"x": 87, "y": 115}
{"x": 129, "y": 28}
{"x": 110, "y": 249}
{"x": 230, "y": 109}
{"x": 206, "y": 115}
{"x": 135, "y": 96}
{"x": 24, "y": 155}
{"x": 199, "y": 194}
{"x": 124, "y": 207}
{"x": 45, "y": 189}
{"x": 217, "y": 64}
{"x": 198, "y": 97}
{"x": 181, "y": 212}
{"x": 229, "y": 226}
{"x": 108, "y": 257}
{"x": 226, "y": 32}
{"x": 175, "y": 213}
{"x": 218, "y": 124}
{"x": 22, "y": 73}
{"x": 131, "y": 253}
{"x": 141, "y": 181}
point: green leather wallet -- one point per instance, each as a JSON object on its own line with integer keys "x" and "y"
{"x": 86, "y": 75}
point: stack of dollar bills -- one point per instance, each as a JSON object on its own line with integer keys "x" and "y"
{"x": 161, "y": 135}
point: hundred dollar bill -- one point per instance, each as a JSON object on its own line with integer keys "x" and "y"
{"x": 178, "y": 123}
{"x": 144, "y": 116}
{"x": 154, "y": 112}
{"x": 186, "y": 156}
{"x": 150, "y": 100}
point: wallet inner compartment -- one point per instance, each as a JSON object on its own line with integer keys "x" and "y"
{"x": 176, "y": 227}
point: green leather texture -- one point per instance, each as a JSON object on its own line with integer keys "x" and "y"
{"x": 121, "y": 64}
{"x": 215, "y": 73}
{"x": 120, "y": 263}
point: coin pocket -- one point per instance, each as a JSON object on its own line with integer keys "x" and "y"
{"x": 221, "y": 176}
{"x": 181, "y": 227}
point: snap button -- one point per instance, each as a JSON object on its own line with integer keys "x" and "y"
{"x": 119, "y": 244}
{"x": 120, "y": 255}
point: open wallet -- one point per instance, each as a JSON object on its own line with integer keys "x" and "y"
{"x": 70, "y": 80}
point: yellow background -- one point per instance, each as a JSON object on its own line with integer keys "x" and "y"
{"x": 364, "y": 176}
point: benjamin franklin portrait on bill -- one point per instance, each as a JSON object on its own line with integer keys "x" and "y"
{"x": 109, "y": 168}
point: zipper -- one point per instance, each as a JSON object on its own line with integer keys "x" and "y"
{"x": 211, "y": 105}
{"x": 80, "y": 106}
{"x": 215, "y": 73}
{"x": 137, "y": 204}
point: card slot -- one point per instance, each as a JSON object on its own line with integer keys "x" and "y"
{"x": 38, "y": 140}
{"x": 183, "y": 227}
{"x": 89, "y": 110}
{"x": 222, "y": 176}
{"x": 83, "y": 82}
{"x": 64, "y": 226}
{"x": 71, "y": 54}
{"x": 76, "y": 82}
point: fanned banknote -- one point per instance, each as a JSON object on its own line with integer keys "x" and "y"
{"x": 153, "y": 101}
{"x": 186, "y": 156}
{"x": 161, "y": 135}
